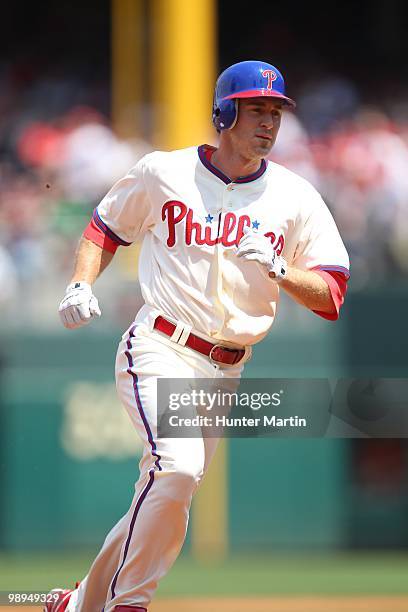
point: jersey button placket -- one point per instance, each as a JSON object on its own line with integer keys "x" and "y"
{"x": 227, "y": 199}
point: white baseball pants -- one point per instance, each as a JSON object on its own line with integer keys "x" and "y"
{"x": 144, "y": 544}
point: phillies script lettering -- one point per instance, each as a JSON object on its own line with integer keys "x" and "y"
{"x": 228, "y": 234}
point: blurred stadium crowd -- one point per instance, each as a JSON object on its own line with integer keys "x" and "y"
{"x": 59, "y": 155}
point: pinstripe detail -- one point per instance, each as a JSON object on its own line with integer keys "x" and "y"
{"x": 131, "y": 527}
{"x": 106, "y": 230}
{"x": 328, "y": 268}
{"x": 138, "y": 400}
{"x": 154, "y": 453}
{"x": 242, "y": 179}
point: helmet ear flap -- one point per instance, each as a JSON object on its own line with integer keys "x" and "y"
{"x": 225, "y": 114}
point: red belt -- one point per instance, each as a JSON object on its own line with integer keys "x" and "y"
{"x": 216, "y": 352}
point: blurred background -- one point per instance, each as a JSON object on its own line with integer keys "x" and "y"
{"x": 86, "y": 89}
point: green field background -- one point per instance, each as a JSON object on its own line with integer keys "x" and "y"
{"x": 340, "y": 574}
{"x": 297, "y": 521}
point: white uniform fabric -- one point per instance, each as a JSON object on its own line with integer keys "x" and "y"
{"x": 143, "y": 545}
{"x": 191, "y": 219}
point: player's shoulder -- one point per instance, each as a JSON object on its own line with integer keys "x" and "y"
{"x": 291, "y": 181}
{"x": 294, "y": 185}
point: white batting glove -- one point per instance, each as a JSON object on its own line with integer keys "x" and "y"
{"x": 256, "y": 247}
{"x": 78, "y": 306}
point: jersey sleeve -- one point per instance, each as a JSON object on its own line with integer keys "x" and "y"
{"x": 320, "y": 245}
{"x": 125, "y": 214}
{"x": 321, "y": 249}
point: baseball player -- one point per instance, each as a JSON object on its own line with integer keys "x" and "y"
{"x": 222, "y": 232}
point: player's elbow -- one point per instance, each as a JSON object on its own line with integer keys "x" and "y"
{"x": 329, "y": 311}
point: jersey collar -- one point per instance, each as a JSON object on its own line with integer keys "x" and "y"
{"x": 205, "y": 152}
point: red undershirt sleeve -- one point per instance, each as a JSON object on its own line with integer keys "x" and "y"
{"x": 98, "y": 232}
{"x": 337, "y": 283}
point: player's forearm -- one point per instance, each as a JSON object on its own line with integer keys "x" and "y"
{"x": 91, "y": 261}
{"x": 308, "y": 289}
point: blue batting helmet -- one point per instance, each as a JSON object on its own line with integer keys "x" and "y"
{"x": 249, "y": 79}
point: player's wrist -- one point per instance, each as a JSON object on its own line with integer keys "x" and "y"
{"x": 78, "y": 284}
{"x": 278, "y": 269}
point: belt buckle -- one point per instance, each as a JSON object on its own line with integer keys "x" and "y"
{"x": 226, "y": 349}
{"x": 210, "y": 355}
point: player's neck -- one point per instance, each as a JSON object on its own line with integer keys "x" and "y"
{"x": 233, "y": 164}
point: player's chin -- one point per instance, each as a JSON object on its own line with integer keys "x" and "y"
{"x": 262, "y": 145}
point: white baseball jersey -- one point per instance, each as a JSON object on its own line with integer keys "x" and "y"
{"x": 191, "y": 217}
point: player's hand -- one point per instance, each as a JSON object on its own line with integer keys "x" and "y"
{"x": 256, "y": 247}
{"x": 78, "y": 306}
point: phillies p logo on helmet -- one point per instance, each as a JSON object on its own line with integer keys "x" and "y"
{"x": 271, "y": 76}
